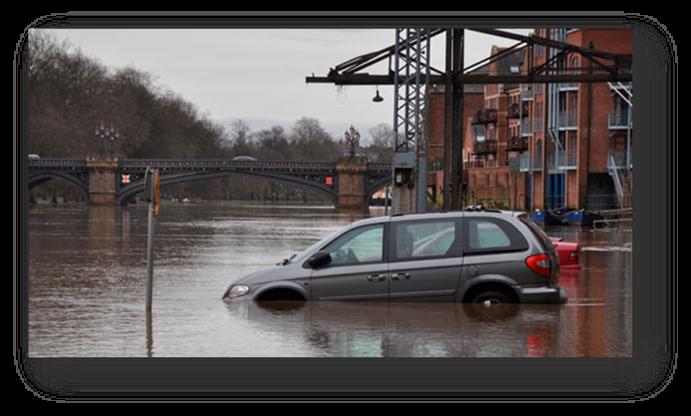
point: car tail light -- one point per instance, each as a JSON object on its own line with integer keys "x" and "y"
{"x": 540, "y": 264}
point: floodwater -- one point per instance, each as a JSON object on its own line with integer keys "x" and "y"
{"x": 87, "y": 272}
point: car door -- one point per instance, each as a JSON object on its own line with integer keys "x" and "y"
{"x": 494, "y": 249}
{"x": 425, "y": 260}
{"x": 358, "y": 269}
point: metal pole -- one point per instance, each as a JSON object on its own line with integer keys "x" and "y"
{"x": 448, "y": 118}
{"x": 545, "y": 133}
{"x": 422, "y": 125}
{"x": 149, "y": 176}
{"x": 457, "y": 134}
{"x": 628, "y": 139}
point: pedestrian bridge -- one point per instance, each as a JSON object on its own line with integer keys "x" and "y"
{"x": 348, "y": 183}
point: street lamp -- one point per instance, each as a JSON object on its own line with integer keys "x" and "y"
{"x": 107, "y": 134}
{"x": 377, "y": 98}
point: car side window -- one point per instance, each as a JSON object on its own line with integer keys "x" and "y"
{"x": 361, "y": 245}
{"x": 425, "y": 239}
{"x": 490, "y": 235}
{"x": 484, "y": 234}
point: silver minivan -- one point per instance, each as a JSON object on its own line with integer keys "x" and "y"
{"x": 474, "y": 257}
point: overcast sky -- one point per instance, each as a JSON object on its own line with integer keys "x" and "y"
{"x": 259, "y": 74}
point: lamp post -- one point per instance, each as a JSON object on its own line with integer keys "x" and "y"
{"x": 107, "y": 134}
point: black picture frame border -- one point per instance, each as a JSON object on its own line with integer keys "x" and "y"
{"x": 655, "y": 320}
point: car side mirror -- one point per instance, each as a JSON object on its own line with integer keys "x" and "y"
{"x": 319, "y": 259}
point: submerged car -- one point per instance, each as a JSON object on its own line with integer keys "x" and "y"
{"x": 474, "y": 257}
{"x": 568, "y": 253}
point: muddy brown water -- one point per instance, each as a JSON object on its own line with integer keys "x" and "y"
{"x": 87, "y": 269}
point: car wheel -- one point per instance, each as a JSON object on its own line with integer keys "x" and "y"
{"x": 491, "y": 298}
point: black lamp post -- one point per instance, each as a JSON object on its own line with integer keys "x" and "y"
{"x": 107, "y": 134}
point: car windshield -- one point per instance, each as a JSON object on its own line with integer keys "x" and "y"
{"x": 303, "y": 255}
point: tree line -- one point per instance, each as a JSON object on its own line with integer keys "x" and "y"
{"x": 70, "y": 96}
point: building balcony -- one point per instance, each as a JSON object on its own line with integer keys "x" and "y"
{"x": 474, "y": 164}
{"x": 568, "y": 120}
{"x": 619, "y": 120}
{"x": 537, "y": 124}
{"x": 517, "y": 144}
{"x": 486, "y": 116}
{"x": 523, "y": 163}
{"x": 622, "y": 159}
{"x": 563, "y": 161}
{"x": 568, "y": 86}
{"x": 485, "y": 147}
{"x": 515, "y": 110}
{"x": 526, "y": 127}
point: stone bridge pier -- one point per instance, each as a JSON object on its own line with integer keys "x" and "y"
{"x": 103, "y": 175}
{"x": 352, "y": 195}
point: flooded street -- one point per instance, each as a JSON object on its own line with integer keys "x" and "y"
{"x": 87, "y": 271}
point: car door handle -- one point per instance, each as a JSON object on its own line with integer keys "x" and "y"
{"x": 376, "y": 277}
{"x": 400, "y": 276}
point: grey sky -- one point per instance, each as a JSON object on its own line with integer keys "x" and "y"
{"x": 259, "y": 74}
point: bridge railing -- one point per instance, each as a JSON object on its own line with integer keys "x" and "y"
{"x": 219, "y": 163}
{"x": 80, "y": 163}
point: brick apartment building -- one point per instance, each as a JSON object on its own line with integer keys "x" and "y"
{"x": 473, "y": 101}
{"x": 588, "y": 140}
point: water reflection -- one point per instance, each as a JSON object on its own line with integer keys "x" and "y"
{"x": 87, "y": 269}
{"x": 361, "y": 329}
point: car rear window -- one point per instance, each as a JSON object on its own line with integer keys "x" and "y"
{"x": 537, "y": 232}
{"x": 487, "y": 235}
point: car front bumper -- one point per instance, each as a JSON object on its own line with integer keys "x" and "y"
{"x": 541, "y": 294}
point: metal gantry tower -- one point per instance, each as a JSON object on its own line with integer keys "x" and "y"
{"x": 409, "y": 73}
{"x": 411, "y": 65}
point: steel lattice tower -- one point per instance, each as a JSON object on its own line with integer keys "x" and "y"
{"x": 411, "y": 65}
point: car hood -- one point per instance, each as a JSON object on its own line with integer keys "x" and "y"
{"x": 271, "y": 273}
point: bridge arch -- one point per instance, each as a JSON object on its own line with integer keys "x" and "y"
{"x": 42, "y": 177}
{"x": 175, "y": 178}
{"x": 374, "y": 187}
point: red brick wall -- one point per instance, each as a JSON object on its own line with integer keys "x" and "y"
{"x": 497, "y": 184}
{"x": 472, "y": 102}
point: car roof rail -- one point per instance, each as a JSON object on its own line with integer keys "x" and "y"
{"x": 480, "y": 208}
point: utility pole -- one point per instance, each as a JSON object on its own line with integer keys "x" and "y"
{"x": 152, "y": 181}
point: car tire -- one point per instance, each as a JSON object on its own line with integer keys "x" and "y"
{"x": 492, "y": 296}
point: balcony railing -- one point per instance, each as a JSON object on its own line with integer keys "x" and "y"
{"x": 567, "y": 160}
{"x": 618, "y": 120}
{"x": 485, "y": 147}
{"x": 537, "y": 124}
{"x": 475, "y": 164}
{"x": 516, "y": 112}
{"x": 527, "y": 127}
{"x": 523, "y": 163}
{"x": 517, "y": 144}
{"x": 562, "y": 161}
{"x": 620, "y": 159}
{"x": 568, "y": 119}
{"x": 486, "y": 116}
{"x": 568, "y": 86}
